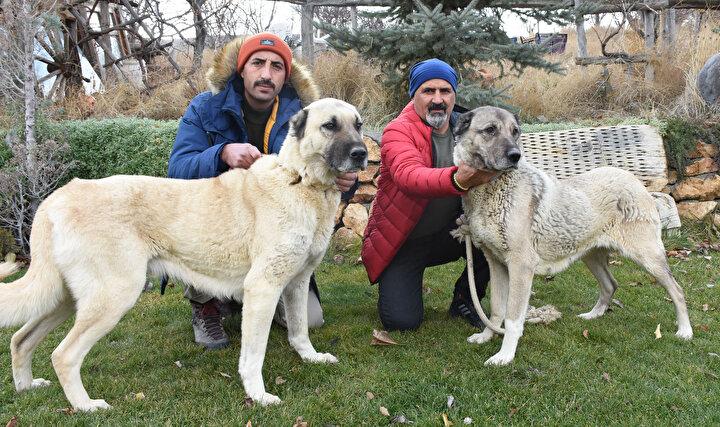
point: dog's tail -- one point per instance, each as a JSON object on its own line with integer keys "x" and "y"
{"x": 35, "y": 294}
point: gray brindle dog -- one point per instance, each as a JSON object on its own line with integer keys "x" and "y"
{"x": 527, "y": 222}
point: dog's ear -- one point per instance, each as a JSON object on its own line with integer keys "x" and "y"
{"x": 517, "y": 119}
{"x": 298, "y": 122}
{"x": 463, "y": 123}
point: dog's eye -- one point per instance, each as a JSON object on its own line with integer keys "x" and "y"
{"x": 515, "y": 132}
{"x": 491, "y": 130}
{"x": 329, "y": 126}
{"x": 358, "y": 126}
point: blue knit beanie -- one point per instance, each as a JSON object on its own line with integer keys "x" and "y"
{"x": 431, "y": 69}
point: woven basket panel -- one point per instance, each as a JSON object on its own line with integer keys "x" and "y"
{"x": 636, "y": 148}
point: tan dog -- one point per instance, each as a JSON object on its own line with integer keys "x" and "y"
{"x": 527, "y": 222}
{"x": 248, "y": 234}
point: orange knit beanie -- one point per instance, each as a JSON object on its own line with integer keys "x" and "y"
{"x": 265, "y": 41}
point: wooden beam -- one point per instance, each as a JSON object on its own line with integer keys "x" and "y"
{"x": 606, "y": 60}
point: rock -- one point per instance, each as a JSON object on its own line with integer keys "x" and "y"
{"x": 701, "y": 166}
{"x": 698, "y": 189}
{"x": 708, "y": 80}
{"x": 339, "y": 212}
{"x": 364, "y": 194}
{"x": 373, "y": 149}
{"x": 702, "y": 149}
{"x": 344, "y": 238}
{"x": 672, "y": 177}
{"x": 695, "y": 210}
{"x": 368, "y": 174}
{"x": 356, "y": 218}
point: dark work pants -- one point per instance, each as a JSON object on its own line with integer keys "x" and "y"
{"x": 400, "y": 300}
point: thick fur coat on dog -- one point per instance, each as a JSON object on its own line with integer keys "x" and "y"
{"x": 251, "y": 234}
{"x": 527, "y": 223}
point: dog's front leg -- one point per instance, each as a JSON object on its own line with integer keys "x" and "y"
{"x": 296, "y": 297}
{"x": 520, "y": 284}
{"x": 260, "y": 299}
{"x": 498, "y": 298}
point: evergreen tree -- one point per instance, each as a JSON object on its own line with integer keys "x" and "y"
{"x": 460, "y": 32}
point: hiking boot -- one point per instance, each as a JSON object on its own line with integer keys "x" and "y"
{"x": 463, "y": 307}
{"x": 207, "y": 325}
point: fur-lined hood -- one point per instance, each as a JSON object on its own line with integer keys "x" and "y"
{"x": 225, "y": 65}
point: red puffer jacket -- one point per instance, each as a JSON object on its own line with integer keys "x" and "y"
{"x": 407, "y": 181}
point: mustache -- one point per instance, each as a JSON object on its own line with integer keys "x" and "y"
{"x": 264, "y": 82}
{"x": 434, "y": 106}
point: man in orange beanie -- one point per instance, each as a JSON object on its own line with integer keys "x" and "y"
{"x": 255, "y": 89}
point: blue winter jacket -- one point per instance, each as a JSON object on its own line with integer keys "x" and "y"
{"x": 211, "y": 121}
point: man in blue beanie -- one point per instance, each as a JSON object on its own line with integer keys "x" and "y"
{"x": 418, "y": 201}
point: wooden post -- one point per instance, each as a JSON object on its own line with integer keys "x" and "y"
{"x": 306, "y": 31}
{"x": 649, "y": 18}
{"x": 668, "y": 29}
{"x": 581, "y": 38}
{"x": 353, "y": 17}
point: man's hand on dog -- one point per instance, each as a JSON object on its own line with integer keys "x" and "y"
{"x": 240, "y": 155}
{"x": 345, "y": 180}
{"x": 468, "y": 176}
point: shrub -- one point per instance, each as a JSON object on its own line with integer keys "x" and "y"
{"x": 680, "y": 137}
{"x": 7, "y": 243}
{"x": 125, "y": 146}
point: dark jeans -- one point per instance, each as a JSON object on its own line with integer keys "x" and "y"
{"x": 400, "y": 300}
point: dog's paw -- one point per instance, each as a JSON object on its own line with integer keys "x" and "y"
{"x": 684, "y": 334}
{"x": 321, "y": 358}
{"x": 39, "y": 382}
{"x": 266, "y": 399}
{"x": 481, "y": 338}
{"x": 500, "y": 359}
{"x": 92, "y": 405}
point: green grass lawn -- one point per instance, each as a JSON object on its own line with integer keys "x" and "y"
{"x": 619, "y": 374}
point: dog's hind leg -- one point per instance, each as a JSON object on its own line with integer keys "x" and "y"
{"x": 25, "y": 341}
{"x": 99, "y": 308}
{"x": 597, "y": 262}
{"x": 650, "y": 254}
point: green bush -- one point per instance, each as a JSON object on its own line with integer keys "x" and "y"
{"x": 124, "y": 146}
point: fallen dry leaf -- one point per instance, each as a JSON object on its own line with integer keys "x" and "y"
{"x": 400, "y": 419}
{"x": 279, "y": 380}
{"x": 705, "y": 307}
{"x": 714, "y": 355}
{"x": 339, "y": 259}
{"x": 658, "y": 335}
{"x": 711, "y": 375}
{"x": 615, "y": 262}
{"x": 585, "y": 333}
{"x": 178, "y": 363}
{"x": 451, "y": 402}
{"x": 140, "y": 395}
{"x": 67, "y": 411}
{"x": 384, "y": 411}
{"x": 668, "y": 299}
{"x": 12, "y": 422}
{"x": 381, "y": 338}
{"x": 300, "y": 423}
{"x": 513, "y": 412}
{"x": 446, "y": 421}
{"x": 249, "y": 402}
{"x": 369, "y": 395}
{"x": 634, "y": 284}
{"x": 618, "y": 303}
{"x": 225, "y": 375}
{"x": 606, "y": 376}
{"x": 249, "y": 424}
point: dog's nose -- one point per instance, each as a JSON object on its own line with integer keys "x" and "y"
{"x": 514, "y": 155}
{"x": 358, "y": 153}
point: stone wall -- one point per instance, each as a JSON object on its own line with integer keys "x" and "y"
{"x": 697, "y": 195}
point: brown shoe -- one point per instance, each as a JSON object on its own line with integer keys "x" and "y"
{"x": 207, "y": 325}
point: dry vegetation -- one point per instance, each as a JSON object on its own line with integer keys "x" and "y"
{"x": 583, "y": 92}
{"x": 586, "y": 92}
